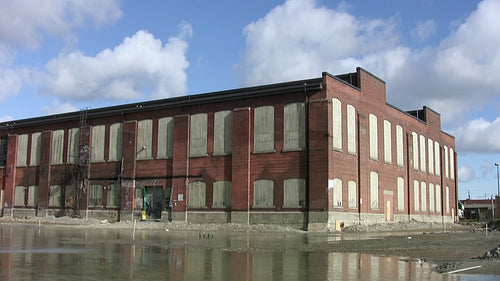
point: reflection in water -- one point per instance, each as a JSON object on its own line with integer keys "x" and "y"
{"x": 33, "y": 253}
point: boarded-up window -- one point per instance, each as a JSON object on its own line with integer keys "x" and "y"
{"x": 337, "y": 124}
{"x": 374, "y": 190}
{"x": 55, "y": 193}
{"x": 36, "y": 142}
{"x": 197, "y": 194}
{"x": 22, "y": 150}
{"x": 144, "y": 139}
{"x": 431, "y": 198}
{"x": 223, "y": 132}
{"x": 399, "y": 146}
{"x": 446, "y": 163}
{"x": 373, "y": 137}
{"x": 294, "y": 193}
{"x": 430, "y": 155}
{"x": 113, "y": 196}
{"x": 422, "y": 154}
{"x": 19, "y": 196}
{"x": 438, "y": 198}
{"x": 294, "y": 126}
{"x": 387, "y": 142}
{"x": 352, "y": 195}
{"x": 73, "y": 145}
{"x": 198, "y": 135}
{"x": 263, "y": 194}
{"x": 264, "y": 129}
{"x": 423, "y": 196}
{"x": 115, "y": 141}
{"x": 437, "y": 158}
{"x": 33, "y": 196}
{"x": 98, "y": 133}
{"x": 139, "y": 198}
{"x": 57, "y": 147}
{"x": 415, "y": 150}
{"x": 351, "y": 129}
{"x": 401, "y": 194}
{"x": 452, "y": 163}
{"x": 165, "y": 137}
{"x": 95, "y": 195}
{"x": 337, "y": 193}
{"x": 222, "y": 194}
{"x": 416, "y": 195}
{"x": 69, "y": 196}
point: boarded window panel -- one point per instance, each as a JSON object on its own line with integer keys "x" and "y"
{"x": 401, "y": 194}
{"x": 423, "y": 196}
{"x": 95, "y": 195}
{"x": 452, "y": 163}
{"x": 222, "y": 194}
{"x": 438, "y": 198}
{"x": 373, "y": 137}
{"x": 387, "y": 142}
{"x": 223, "y": 132}
{"x": 446, "y": 163}
{"x": 33, "y": 196}
{"x": 416, "y": 195}
{"x": 437, "y": 158}
{"x": 422, "y": 154}
{"x": 198, "y": 135}
{"x": 55, "y": 192}
{"x": 294, "y": 194}
{"x": 399, "y": 146}
{"x": 36, "y": 142}
{"x": 144, "y": 139}
{"x": 139, "y": 198}
{"x": 430, "y": 155}
{"x": 351, "y": 129}
{"x": 57, "y": 147}
{"x": 115, "y": 141}
{"x": 432, "y": 203}
{"x": 264, "y": 129}
{"x": 352, "y": 195}
{"x": 337, "y": 193}
{"x": 97, "y": 152}
{"x": 19, "y": 196}
{"x": 263, "y": 194}
{"x": 294, "y": 126}
{"x": 69, "y": 196}
{"x": 22, "y": 150}
{"x": 415, "y": 150}
{"x": 73, "y": 145}
{"x": 197, "y": 194}
{"x": 113, "y": 196}
{"x": 447, "y": 199}
{"x": 337, "y": 124}
{"x": 165, "y": 137}
{"x": 374, "y": 190}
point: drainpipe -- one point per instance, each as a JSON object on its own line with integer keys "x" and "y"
{"x": 306, "y": 199}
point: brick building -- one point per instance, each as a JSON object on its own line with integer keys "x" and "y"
{"x": 310, "y": 153}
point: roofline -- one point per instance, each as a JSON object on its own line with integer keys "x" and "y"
{"x": 313, "y": 84}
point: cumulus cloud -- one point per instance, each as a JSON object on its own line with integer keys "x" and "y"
{"x": 299, "y": 39}
{"x": 57, "y": 107}
{"x": 466, "y": 173}
{"x": 424, "y": 30}
{"x": 140, "y": 64}
{"x": 478, "y": 135}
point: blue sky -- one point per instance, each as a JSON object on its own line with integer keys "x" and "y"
{"x": 65, "y": 55}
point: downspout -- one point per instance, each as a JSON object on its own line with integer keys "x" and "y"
{"x": 306, "y": 199}
{"x": 408, "y": 171}
{"x": 359, "y": 167}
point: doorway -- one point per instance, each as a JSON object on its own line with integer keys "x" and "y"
{"x": 153, "y": 200}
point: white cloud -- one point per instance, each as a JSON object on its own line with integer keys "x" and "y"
{"x": 466, "y": 173}
{"x": 478, "y": 135}
{"x": 25, "y": 23}
{"x": 6, "y": 118}
{"x": 141, "y": 64}
{"x": 424, "y": 30}
{"x": 57, "y": 107}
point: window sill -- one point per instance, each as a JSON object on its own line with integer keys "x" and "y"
{"x": 198, "y": 155}
{"x": 221, "y": 154}
{"x": 263, "y": 151}
{"x": 293, "y": 149}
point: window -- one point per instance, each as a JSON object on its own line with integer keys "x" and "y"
{"x": 415, "y": 150}
{"x": 294, "y": 193}
{"x": 95, "y": 195}
{"x": 438, "y": 198}
{"x": 73, "y": 145}
{"x": 416, "y": 195}
{"x": 165, "y": 137}
{"x": 144, "y": 139}
{"x": 3, "y": 150}
{"x": 97, "y": 152}
{"x": 115, "y": 141}
{"x": 36, "y": 143}
{"x": 431, "y": 198}
{"x": 401, "y": 194}
{"x": 399, "y": 146}
{"x": 423, "y": 194}
{"x": 222, "y": 194}
{"x": 452, "y": 163}
{"x": 373, "y": 137}
{"x": 223, "y": 132}
{"x": 264, "y": 129}
{"x": 437, "y": 158}
{"x": 33, "y": 196}
{"x": 337, "y": 193}
{"x": 337, "y": 124}
{"x": 263, "y": 194}
{"x": 352, "y": 195}
{"x": 351, "y": 129}
{"x": 70, "y": 196}
{"x": 294, "y": 126}
{"x": 387, "y": 142}
{"x": 197, "y": 194}
{"x": 57, "y": 147}
{"x": 198, "y": 136}
{"x": 430, "y": 155}
{"x": 446, "y": 163}
{"x": 422, "y": 154}
{"x": 374, "y": 190}
{"x": 55, "y": 196}
{"x": 19, "y": 196}
{"x": 139, "y": 198}
{"x": 447, "y": 199}
{"x": 22, "y": 150}
{"x": 113, "y": 196}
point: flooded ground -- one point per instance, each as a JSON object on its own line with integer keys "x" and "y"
{"x": 31, "y": 252}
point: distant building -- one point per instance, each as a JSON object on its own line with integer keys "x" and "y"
{"x": 313, "y": 153}
{"x": 481, "y": 209}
